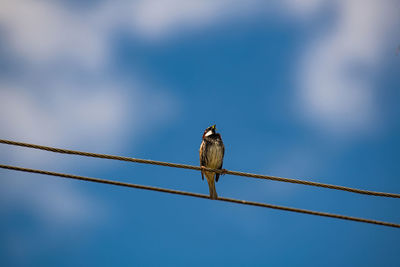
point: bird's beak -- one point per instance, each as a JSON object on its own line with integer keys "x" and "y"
{"x": 214, "y": 127}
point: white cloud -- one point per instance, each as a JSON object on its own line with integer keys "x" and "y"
{"x": 49, "y": 104}
{"x": 69, "y": 115}
{"x": 62, "y": 116}
{"x": 335, "y": 74}
{"x": 99, "y": 116}
{"x": 301, "y": 9}
{"x": 45, "y": 31}
{"x": 48, "y": 31}
{"x": 158, "y": 18}
{"x": 53, "y": 203}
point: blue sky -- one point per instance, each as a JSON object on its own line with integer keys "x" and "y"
{"x": 304, "y": 90}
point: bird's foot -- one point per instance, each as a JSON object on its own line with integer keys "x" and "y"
{"x": 224, "y": 171}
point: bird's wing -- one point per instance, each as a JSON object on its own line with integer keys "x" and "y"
{"x": 222, "y": 161}
{"x": 203, "y": 159}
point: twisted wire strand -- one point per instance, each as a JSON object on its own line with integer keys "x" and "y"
{"x": 177, "y": 192}
{"x": 185, "y": 166}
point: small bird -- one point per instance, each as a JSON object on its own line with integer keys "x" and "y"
{"x": 212, "y": 152}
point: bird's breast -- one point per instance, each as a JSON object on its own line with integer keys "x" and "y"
{"x": 214, "y": 156}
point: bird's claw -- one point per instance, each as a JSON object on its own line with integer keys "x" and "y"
{"x": 224, "y": 171}
{"x": 203, "y": 169}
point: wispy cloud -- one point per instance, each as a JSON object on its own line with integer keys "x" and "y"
{"x": 50, "y": 102}
{"x": 67, "y": 115}
{"x": 50, "y": 31}
{"x": 337, "y": 91}
{"x": 156, "y": 19}
{"x": 301, "y": 9}
{"x": 46, "y": 31}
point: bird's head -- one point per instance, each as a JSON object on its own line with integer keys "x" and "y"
{"x": 210, "y": 131}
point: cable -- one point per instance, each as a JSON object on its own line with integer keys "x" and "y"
{"x": 185, "y": 166}
{"x": 171, "y": 191}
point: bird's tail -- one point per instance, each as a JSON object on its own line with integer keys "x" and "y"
{"x": 211, "y": 185}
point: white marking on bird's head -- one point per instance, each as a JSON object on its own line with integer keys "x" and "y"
{"x": 210, "y": 132}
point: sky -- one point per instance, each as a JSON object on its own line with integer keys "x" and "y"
{"x": 299, "y": 89}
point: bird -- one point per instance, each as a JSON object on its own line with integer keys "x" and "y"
{"x": 211, "y": 152}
